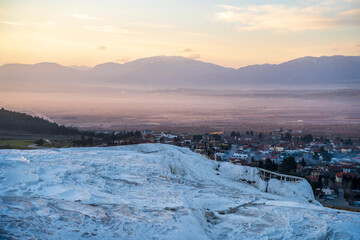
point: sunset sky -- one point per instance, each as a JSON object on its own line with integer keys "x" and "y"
{"x": 229, "y": 33}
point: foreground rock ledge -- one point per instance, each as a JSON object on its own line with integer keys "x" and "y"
{"x": 153, "y": 191}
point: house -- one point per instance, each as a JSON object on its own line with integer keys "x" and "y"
{"x": 239, "y": 162}
{"x": 146, "y": 132}
{"x": 338, "y": 177}
{"x": 219, "y": 156}
{"x": 240, "y": 156}
{"x": 312, "y": 178}
{"x": 328, "y": 191}
{"x": 346, "y": 150}
{"x": 277, "y": 148}
{"x": 349, "y": 169}
{"x": 315, "y": 173}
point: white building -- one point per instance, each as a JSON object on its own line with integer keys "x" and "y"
{"x": 242, "y": 156}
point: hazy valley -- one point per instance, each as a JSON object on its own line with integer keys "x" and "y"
{"x": 169, "y": 92}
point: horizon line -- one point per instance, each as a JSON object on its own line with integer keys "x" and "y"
{"x": 169, "y": 56}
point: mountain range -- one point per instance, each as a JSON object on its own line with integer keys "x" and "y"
{"x": 175, "y": 72}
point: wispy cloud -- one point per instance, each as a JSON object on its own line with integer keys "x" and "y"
{"x": 45, "y": 24}
{"x": 185, "y": 50}
{"x": 285, "y": 18}
{"x": 350, "y": 17}
{"x": 14, "y": 23}
{"x": 123, "y": 60}
{"x": 110, "y": 29}
{"x": 342, "y": 48}
{"x": 188, "y": 53}
{"x": 152, "y": 25}
{"x": 195, "y": 34}
{"x": 84, "y": 16}
{"x": 101, "y": 48}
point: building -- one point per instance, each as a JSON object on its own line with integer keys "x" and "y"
{"x": 242, "y": 156}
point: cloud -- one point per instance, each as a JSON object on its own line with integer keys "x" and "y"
{"x": 45, "y": 24}
{"x": 185, "y": 50}
{"x": 188, "y": 53}
{"x": 195, "y": 34}
{"x": 193, "y": 56}
{"x": 84, "y": 16}
{"x": 14, "y": 23}
{"x": 350, "y": 17}
{"x": 101, "y": 47}
{"x": 284, "y": 18}
{"x": 348, "y": 49}
{"x": 151, "y": 25}
{"x": 110, "y": 29}
{"x": 123, "y": 60}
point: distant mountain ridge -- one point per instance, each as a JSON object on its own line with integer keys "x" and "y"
{"x": 306, "y": 70}
{"x": 175, "y": 72}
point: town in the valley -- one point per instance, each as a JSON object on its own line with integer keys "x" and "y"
{"x": 329, "y": 162}
{"x": 330, "y": 165}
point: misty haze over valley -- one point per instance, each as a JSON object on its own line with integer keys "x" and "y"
{"x": 177, "y": 91}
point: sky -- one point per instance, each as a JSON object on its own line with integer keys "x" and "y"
{"x": 231, "y": 33}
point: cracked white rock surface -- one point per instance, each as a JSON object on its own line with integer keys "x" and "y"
{"x": 153, "y": 191}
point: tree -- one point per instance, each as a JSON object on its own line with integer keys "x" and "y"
{"x": 270, "y": 165}
{"x": 138, "y": 134}
{"x": 233, "y": 134}
{"x": 303, "y": 163}
{"x": 217, "y": 137}
{"x": 40, "y": 142}
{"x": 288, "y": 165}
{"x": 197, "y": 138}
{"x": 90, "y": 141}
{"x": 287, "y": 137}
{"x": 308, "y": 138}
{"x": 326, "y": 182}
{"x": 348, "y": 141}
{"x": 261, "y": 164}
{"x": 20, "y": 121}
{"x": 325, "y": 154}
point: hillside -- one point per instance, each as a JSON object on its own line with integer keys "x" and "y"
{"x": 154, "y": 191}
{"x": 10, "y": 120}
{"x": 175, "y": 72}
{"x": 305, "y": 71}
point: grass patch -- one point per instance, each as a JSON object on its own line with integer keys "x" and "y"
{"x": 17, "y": 144}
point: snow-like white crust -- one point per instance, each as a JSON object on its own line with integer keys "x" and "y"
{"x": 154, "y": 191}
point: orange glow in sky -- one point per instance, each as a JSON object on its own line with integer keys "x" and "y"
{"x": 228, "y": 33}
